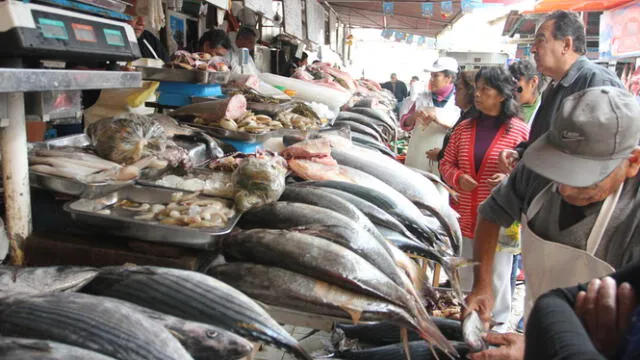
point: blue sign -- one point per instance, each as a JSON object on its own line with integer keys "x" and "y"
{"x": 421, "y": 40}
{"x": 399, "y": 36}
{"x": 387, "y": 8}
{"x": 410, "y": 39}
{"x": 446, "y": 8}
{"x": 468, "y": 5}
{"x": 427, "y": 9}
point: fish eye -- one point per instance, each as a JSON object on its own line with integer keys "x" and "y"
{"x": 212, "y": 334}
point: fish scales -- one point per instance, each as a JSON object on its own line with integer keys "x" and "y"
{"x": 194, "y": 296}
{"x": 280, "y": 287}
{"x": 418, "y": 350}
{"x": 89, "y": 322}
{"x": 406, "y": 181}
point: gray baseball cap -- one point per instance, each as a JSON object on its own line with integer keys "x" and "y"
{"x": 591, "y": 134}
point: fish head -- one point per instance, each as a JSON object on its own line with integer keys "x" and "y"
{"x": 203, "y": 340}
{"x": 472, "y": 331}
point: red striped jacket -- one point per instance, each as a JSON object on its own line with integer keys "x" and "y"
{"x": 459, "y": 159}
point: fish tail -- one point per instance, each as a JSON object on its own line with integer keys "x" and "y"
{"x": 404, "y": 335}
{"x": 299, "y": 352}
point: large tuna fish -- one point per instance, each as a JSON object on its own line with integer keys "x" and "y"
{"x": 406, "y": 181}
{"x": 202, "y": 341}
{"x": 285, "y": 215}
{"x": 324, "y": 260}
{"x": 89, "y": 322}
{"x": 398, "y": 206}
{"x": 283, "y": 288}
{"x": 193, "y": 296}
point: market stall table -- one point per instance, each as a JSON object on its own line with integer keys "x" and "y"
{"x": 14, "y": 82}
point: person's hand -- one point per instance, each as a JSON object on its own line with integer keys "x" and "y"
{"x": 427, "y": 116}
{"x": 606, "y": 311}
{"x": 495, "y": 180}
{"x": 467, "y": 183}
{"x": 511, "y": 347}
{"x": 433, "y": 154}
{"x": 480, "y": 300}
{"x": 507, "y": 161}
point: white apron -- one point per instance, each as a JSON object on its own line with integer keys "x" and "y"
{"x": 549, "y": 265}
{"x": 424, "y": 138}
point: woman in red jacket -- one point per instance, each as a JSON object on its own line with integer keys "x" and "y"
{"x": 470, "y": 166}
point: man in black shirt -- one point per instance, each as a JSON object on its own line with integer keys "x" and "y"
{"x": 397, "y": 87}
{"x": 150, "y": 45}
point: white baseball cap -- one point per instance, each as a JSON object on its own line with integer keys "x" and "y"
{"x": 444, "y": 63}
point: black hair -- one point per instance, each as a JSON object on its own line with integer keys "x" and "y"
{"x": 450, "y": 74}
{"x": 245, "y": 32}
{"x": 567, "y": 23}
{"x": 524, "y": 69}
{"x": 315, "y": 61}
{"x": 497, "y": 77}
{"x": 305, "y": 56}
{"x": 415, "y": 78}
{"x": 215, "y": 38}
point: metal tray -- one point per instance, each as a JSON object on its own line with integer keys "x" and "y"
{"x": 119, "y": 224}
{"x": 71, "y": 186}
{"x": 197, "y": 151}
{"x": 184, "y": 75}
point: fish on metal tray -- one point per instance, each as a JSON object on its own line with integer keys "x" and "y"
{"x": 278, "y": 287}
{"x": 193, "y": 296}
{"x": 368, "y": 121}
{"x": 29, "y": 349}
{"x": 202, "y": 341}
{"x": 36, "y": 280}
{"x": 89, "y": 322}
{"x": 412, "y": 185}
{"x": 387, "y": 333}
{"x": 324, "y": 260}
{"x": 418, "y": 350}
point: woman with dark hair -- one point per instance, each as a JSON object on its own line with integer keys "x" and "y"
{"x": 465, "y": 93}
{"x": 215, "y": 42}
{"x": 470, "y": 166}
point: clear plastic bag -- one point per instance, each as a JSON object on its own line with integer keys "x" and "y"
{"x": 127, "y": 138}
{"x": 259, "y": 181}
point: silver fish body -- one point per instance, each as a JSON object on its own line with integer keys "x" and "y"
{"x": 193, "y": 296}
{"x": 202, "y": 341}
{"x": 89, "y": 322}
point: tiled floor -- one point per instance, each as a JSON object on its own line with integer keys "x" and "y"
{"x": 318, "y": 341}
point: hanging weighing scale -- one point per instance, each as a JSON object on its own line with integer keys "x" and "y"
{"x": 39, "y": 31}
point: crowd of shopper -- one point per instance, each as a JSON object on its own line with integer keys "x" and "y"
{"x": 570, "y": 206}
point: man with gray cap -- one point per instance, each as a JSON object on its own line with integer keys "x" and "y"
{"x": 576, "y": 195}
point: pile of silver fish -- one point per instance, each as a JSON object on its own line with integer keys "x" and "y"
{"x": 129, "y": 313}
{"x": 340, "y": 247}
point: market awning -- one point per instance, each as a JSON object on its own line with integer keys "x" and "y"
{"x": 522, "y": 24}
{"x": 407, "y": 16}
{"x": 545, "y": 6}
